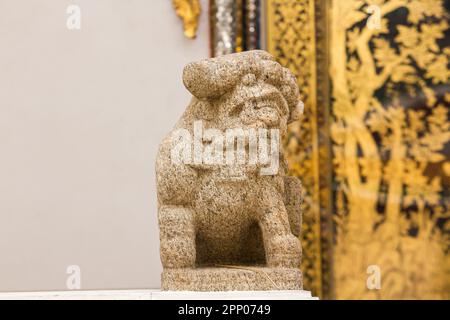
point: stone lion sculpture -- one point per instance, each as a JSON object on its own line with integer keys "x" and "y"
{"x": 225, "y": 223}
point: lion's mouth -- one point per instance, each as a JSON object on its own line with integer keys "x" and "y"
{"x": 267, "y": 109}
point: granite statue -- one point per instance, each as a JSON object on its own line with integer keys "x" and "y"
{"x": 228, "y": 213}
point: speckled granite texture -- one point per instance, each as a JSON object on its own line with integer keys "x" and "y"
{"x": 216, "y": 216}
{"x": 230, "y": 279}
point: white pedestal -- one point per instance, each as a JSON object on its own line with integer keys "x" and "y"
{"x": 234, "y": 295}
{"x": 158, "y": 295}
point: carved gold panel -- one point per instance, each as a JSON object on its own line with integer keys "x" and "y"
{"x": 373, "y": 148}
{"x": 291, "y": 38}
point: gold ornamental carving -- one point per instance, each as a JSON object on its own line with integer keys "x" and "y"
{"x": 189, "y": 12}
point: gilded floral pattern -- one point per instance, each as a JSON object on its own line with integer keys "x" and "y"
{"x": 389, "y": 132}
{"x": 291, "y": 40}
{"x": 390, "y": 141}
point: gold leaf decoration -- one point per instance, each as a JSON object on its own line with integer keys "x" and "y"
{"x": 189, "y": 12}
{"x": 372, "y": 149}
{"x": 389, "y": 107}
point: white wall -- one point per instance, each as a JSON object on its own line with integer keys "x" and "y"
{"x": 81, "y": 116}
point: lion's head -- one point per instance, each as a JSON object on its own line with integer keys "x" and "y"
{"x": 246, "y": 89}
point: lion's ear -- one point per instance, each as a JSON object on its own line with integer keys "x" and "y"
{"x": 296, "y": 112}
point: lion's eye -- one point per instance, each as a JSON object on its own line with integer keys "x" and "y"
{"x": 236, "y": 111}
{"x": 256, "y": 105}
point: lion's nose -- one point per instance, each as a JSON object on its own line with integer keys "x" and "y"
{"x": 269, "y": 116}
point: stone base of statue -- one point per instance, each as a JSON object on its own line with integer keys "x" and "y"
{"x": 232, "y": 278}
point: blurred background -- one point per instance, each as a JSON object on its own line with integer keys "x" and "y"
{"x": 82, "y": 112}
